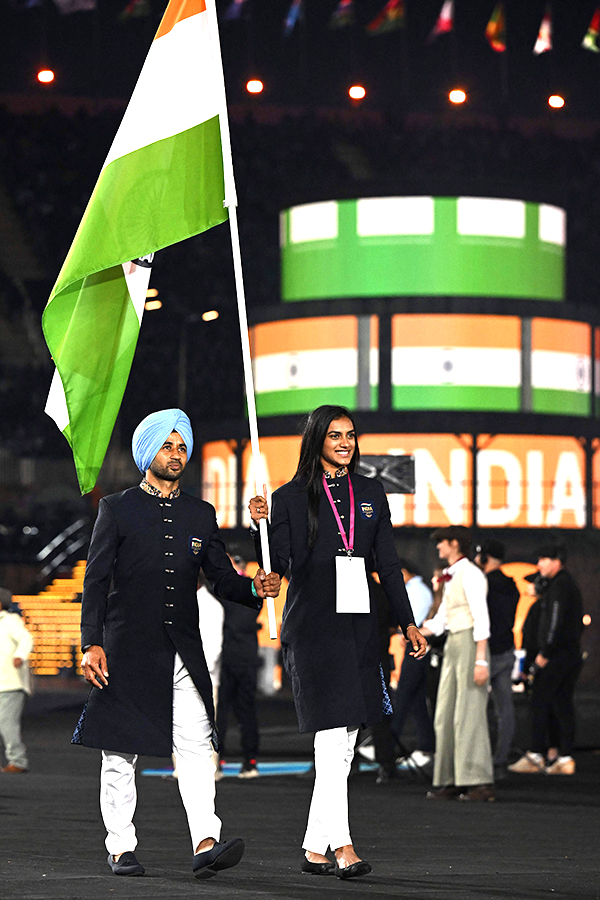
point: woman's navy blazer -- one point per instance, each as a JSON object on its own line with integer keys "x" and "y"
{"x": 332, "y": 658}
{"x": 139, "y": 603}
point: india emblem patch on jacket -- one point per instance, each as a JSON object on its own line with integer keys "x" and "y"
{"x": 195, "y": 545}
{"x": 366, "y": 510}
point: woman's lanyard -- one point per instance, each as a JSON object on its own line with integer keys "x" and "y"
{"x": 351, "y": 587}
{"x": 349, "y": 545}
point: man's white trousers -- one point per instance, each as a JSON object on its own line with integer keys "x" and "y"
{"x": 192, "y": 748}
{"x": 328, "y": 816}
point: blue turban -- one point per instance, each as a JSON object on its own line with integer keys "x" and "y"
{"x": 154, "y": 430}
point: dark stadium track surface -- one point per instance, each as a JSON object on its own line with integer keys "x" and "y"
{"x": 540, "y": 840}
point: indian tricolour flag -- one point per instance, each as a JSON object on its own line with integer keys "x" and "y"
{"x": 300, "y": 364}
{"x": 456, "y": 362}
{"x": 561, "y": 376}
{"x": 163, "y": 181}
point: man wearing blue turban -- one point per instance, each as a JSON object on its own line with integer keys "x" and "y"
{"x": 151, "y": 690}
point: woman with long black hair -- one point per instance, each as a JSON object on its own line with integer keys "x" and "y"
{"x": 326, "y": 523}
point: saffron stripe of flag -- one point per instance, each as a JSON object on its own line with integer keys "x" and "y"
{"x": 162, "y": 181}
{"x": 591, "y": 36}
{"x": 392, "y": 16}
{"x": 444, "y": 22}
{"x": 544, "y": 38}
{"x": 495, "y": 30}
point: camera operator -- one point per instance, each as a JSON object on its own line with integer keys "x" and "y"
{"x": 555, "y": 666}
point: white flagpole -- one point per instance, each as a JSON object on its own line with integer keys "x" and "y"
{"x": 230, "y": 203}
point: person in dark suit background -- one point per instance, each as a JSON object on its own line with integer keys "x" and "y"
{"x": 556, "y": 666}
{"x": 139, "y": 622}
{"x": 237, "y": 689}
{"x": 326, "y": 522}
{"x": 502, "y": 599}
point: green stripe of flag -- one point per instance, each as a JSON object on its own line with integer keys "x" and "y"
{"x": 301, "y": 400}
{"x": 456, "y": 396}
{"x": 561, "y": 403}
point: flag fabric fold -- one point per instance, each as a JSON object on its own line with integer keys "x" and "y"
{"x": 445, "y": 21}
{"x": 591, "y": 36}
{"x": 544, "y": 39}
{"x": 495, "y": 30}
{"x": 162, "y": 182}
{"x": 389, "y": 18}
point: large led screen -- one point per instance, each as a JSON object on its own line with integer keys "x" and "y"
{"x": 423, "y": 246}
{"x": 300, "y": 364}
{"x": 527, "y": 481}
{"x": 561, "y": 367}
{"x": 456, "y": 362}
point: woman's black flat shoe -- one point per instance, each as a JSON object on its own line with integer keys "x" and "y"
{"x": 311, "y": 868}
{"x": 361, "y": 867}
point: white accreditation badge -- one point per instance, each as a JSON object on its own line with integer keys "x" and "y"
{"x": 352, "y": 589}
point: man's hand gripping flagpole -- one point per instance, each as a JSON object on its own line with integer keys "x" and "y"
{"x": 230, "y": 203}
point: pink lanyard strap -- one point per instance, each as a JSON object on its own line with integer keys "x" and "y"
{"x": 349, "y": 546}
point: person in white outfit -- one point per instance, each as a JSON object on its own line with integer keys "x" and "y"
{"x": 15, "y": 683}
{"x": 463, "y": 759}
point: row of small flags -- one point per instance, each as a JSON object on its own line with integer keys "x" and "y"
{"x": 391, "y": 16}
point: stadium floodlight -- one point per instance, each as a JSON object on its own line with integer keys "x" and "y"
{"x": 45, "y": 76}
{"x": 357, "y": 92}
{"x": 210, "y": 315}
{"x": 149, "y": 305}
{"x": 254, "y": 86}
{"x": 457, "y": 96}
{"x": 556, "y": 101}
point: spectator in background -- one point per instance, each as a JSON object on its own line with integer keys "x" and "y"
{"x": 502, "y": 599}
{"x": 411, "y": 693}
{"x": 15, "y": 684}
{"x": 536, "y": 587}
{"x": 555, "y": 667}
{"x": 237, "y": 688}
{"x": 463, "y": 759}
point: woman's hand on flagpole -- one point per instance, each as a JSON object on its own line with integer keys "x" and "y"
{"x": 258, "y": 506}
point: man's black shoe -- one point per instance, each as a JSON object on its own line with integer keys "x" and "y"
{"x": 126, "y": 864}
{"x": 220, "y": 856}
